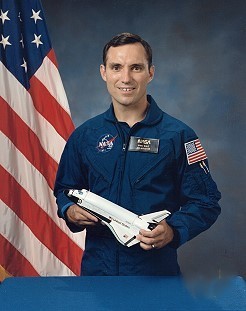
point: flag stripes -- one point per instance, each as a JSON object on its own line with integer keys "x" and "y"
{"x": 35, "y": 124}
{"x": 20, "y": 136}
{"x": 53, "y": 85}
{"x": 30, "y": 246}
{"x": 18, "y": 267}
{"x": 13, "y": 195}
{"x": 34, "y": 185}
{"x": 48, "y": 107}
{"x": 46, "y": 230}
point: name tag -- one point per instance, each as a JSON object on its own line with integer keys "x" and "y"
{"x": 140, "y": 144}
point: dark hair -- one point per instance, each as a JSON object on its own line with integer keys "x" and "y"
{"x": 127, "y": 38}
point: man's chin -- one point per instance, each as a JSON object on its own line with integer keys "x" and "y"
{"x": 125, "y": 103}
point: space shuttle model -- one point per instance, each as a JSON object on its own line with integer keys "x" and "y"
{"x": 124, "y": 224}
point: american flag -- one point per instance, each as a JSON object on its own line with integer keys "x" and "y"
{"x": 35, "y": 124}
{"x": 194, "y": 151}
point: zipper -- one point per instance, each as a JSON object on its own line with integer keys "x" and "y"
{"x": 125, "y": 143}
{"x": 123, "y": 159}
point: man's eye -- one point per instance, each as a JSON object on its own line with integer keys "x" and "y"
{"x": 136, "y": 68}
{"x": 116, "y": 68}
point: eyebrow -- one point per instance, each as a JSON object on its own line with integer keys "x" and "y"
{"x": 114, "y": 64}
{"x": 138, "y": 64}
{"x": 132, "y": 65}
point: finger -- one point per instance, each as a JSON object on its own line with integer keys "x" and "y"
{"x": 86, "y": 215}
{"x": 148, "y": 247}
{"x": 146, "y": 240}
{"x": 146, "y": 233}
{"x": 78, "y": 216}
{"x": 86, "y": 223}
{"x": 81, "y": 214}
{"x": 152, "y": 234}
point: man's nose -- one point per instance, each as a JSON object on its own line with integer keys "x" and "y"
{"x": 126, "y": 75}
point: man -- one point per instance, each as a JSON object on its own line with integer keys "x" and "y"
{"x": 144, "y": 160}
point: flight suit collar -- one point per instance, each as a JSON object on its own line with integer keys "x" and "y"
{"x": 153, "y": 116}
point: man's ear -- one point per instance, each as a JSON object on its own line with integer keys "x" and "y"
{"x": 151, "y": 73}
{"x": 103, "y": 72}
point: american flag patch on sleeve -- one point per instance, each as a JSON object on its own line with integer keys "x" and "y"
{"x": 194, "y": 151}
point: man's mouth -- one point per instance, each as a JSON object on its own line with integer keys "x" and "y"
{"x": 126, "y": 89}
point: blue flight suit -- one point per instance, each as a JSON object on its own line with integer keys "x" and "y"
{"x": 154, "y": 165}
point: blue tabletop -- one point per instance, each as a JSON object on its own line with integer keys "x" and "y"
{"x": 121, "y": 293}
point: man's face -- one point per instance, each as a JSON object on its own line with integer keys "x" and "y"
{"x": 127, "y": 74}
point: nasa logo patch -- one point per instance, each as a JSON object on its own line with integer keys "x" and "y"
{"x": 105, "y": 143}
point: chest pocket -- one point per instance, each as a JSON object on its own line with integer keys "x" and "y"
{"x": 101, "y": 166}
{"x": 153, "y": 181}
{"x": 152, "y": 166}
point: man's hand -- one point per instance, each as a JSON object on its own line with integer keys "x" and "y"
{"x": 79, "y": 217}
{"x": 157, "y": 238}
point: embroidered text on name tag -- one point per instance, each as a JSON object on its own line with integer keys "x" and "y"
{"x": 143, "y": 144}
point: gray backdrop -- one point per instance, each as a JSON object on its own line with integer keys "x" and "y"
{"x": 199, "y": 55}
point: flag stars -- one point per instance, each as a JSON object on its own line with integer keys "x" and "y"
{"x": 22, "y": 42}
{"x": 19, "y": 15}
{"x": 37, "y": 40}
{"x": 5, "y": 41}
{"x": 4, "y": 16}
{"x": 24, "y": 65}
{"x": 35, "y": 16}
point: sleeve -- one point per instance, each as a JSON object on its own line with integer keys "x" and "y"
{"x": 71, "y": 174}
{"x": 197, "y": 192}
